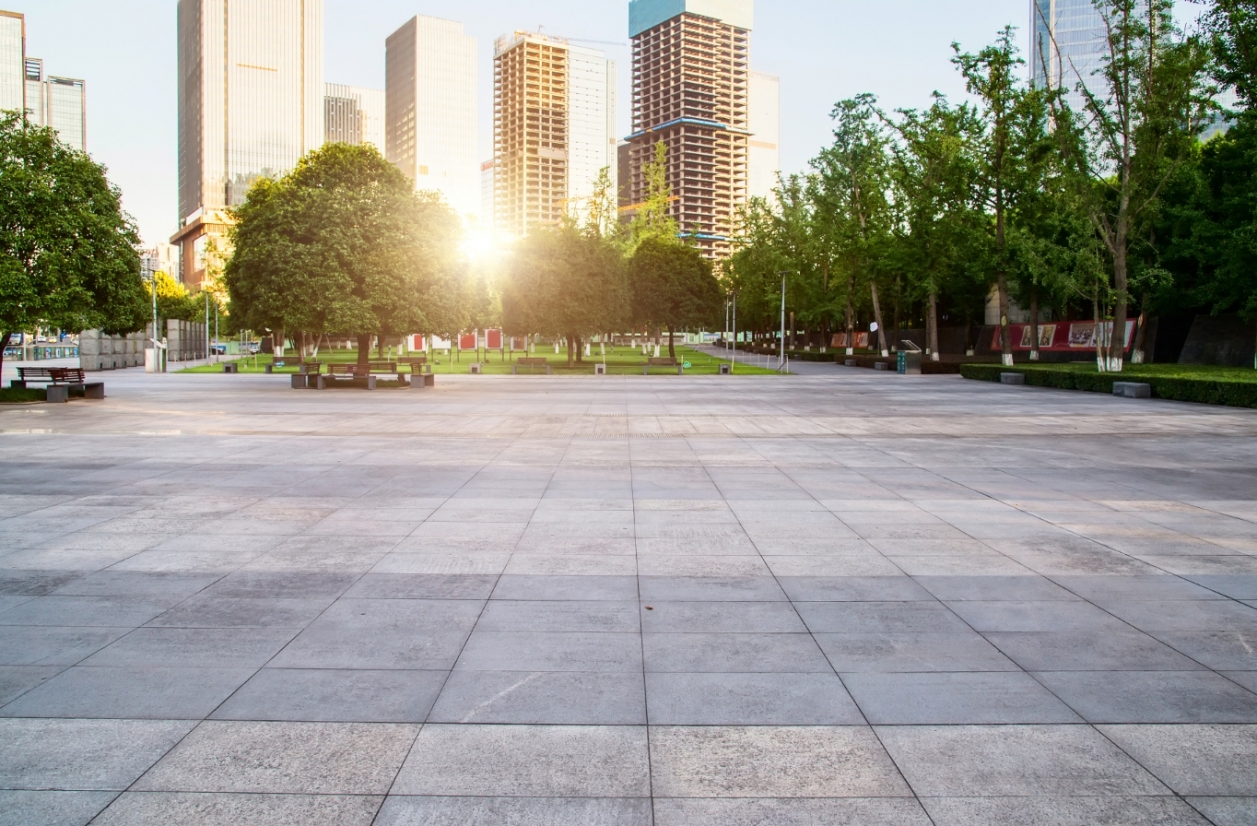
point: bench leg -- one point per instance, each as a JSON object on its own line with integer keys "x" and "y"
{"x": 17, "y": 384}
{"x": 645, "y": 371}
{"x": 94, "y": 390}
{"x": 58, "y": 393}
{"x": 370, "y": 382}
{"x": 299, "y": 381}
{"x": 680, "y": 371}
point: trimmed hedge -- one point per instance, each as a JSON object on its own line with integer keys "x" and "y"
{"x": 19, "y": 395}
{"x": 1232, "y": 388}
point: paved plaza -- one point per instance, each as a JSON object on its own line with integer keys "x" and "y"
{"x": 837, "y": 598}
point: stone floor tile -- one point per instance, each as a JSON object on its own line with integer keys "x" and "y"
{"x": 131, "y": 692}
{"x": 1203, "y": 760}
{"x": 570, "y": 565}
{"x": 43, "y": 645}
{"x": 955, "y": 699}
{"x": 1220, "y": 650}
{"x": 1227, "y": 811}
{"x": 710, "y": 589}
{"x": 904, "y": 652}
{"x": 1014, "y": 761}
{"x": 87, "y": 611}
{"x": 1105, "y": 590}
{"x": 88, "y": 755}
{"x": 194, "y": 648}
{"x": 34, "y": 583}
{"x": 863, "y": 566}
{"x": 567, "y": 615}
{"x": 796, "y": 762}
{"x": 1240, "y": 586}
{"x": 742, "y": 653}
{"x": 205, "y": 611}
{"x": 750, "y": 700}
{"x": 20, "y": 808}
{"x": 465, "y": 564}
{"x": 854, "y": 589}
{"x": 1061, "y": 811}
{"x": 1152, "y": 696}
{"x": 721, "y": 617}
{"x": 788, "y": 812}
{"x": 334, "y": 696}
{"x": 714, "y": 566}
{"x": 1089, "y": 651}
{"x": 271, "y": 584}
{"x": 1036, "y": 616}
{"x": 1248, "y": 679}
{"x": 993, "y": 588}
{"x": 16, "y": 680}
{"x": 879, "y": 618}
{"x": 542, "y": 697}
{"x": 514, "y": 811}
{"x": 564, "y": 588}
{"x": 551, "y": 651}
{"x": 422, "y": 586}
{"x": 527, "y": 761}
{"x": 283, "y": 758}
{"x": 1187, "y": 615}
{"x": 167, "y": 808}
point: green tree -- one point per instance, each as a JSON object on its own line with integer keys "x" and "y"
{"x": 653, "y": 218}
{"x": 67, "y": 250}
{"x": 672, "y": 287}
{"x": 564, "y": 282}
{"x": 341, "y": 245}
{"x": 852, "y": 184}
{"x": 1141, "y": 117}
{"x": 173, "y": 299}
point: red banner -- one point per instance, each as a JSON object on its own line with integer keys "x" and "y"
{"x": 1061, "y": 337}
{"x": 493, "y": 339}
{"x": 467, "y": 341}
{"x": 861, "y": 341}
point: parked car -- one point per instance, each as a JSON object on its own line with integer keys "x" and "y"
{"x": 253, "y": 347}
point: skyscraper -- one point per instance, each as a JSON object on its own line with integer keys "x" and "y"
{"x": 352, "y": 114}
{"x": 1067, "y": 46}
{"x": 691, "y": 81}
{"x": 58, "y": 102}
{"x": 764, "y": 157}
{"x": 430, "y": 109}
{"x": 12, "y": 56}
{"x": 250, "y": 105}
{"x": 553, "y": 129}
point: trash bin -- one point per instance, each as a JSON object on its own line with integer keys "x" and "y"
{"x": 909, "y": 359}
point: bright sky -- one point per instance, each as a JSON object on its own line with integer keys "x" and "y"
{"x": 823, "y": 50}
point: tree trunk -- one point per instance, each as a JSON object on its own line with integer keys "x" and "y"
{"x": 1005, "y": 335}
{"x": 1097, "y": 330}
{"x": 894, "y": 338}
{"x": 364, "y": 350}
{"x": 1117, "y": 339}
{"x": 1141, "y": 336}
{"x": 1034, "y": 324}
{"x": 931, "y": 321}
{"x": 4, "y": 344}
{"x": 580, "y": 350}
{"x": 672, "y": 349}
{"x": 877, "y": 316}
{"x": 790, "y": 346}
{"x": 571, "y": 351}
{"x": 277, "y": 342}
{"x": 850, "y": 318}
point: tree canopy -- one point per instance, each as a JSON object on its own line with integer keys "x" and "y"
{"x": 67, "y": 250}
{"x": 672, "y": 287}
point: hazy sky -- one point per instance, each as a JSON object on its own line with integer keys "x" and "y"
{"x": 823, "y": 50}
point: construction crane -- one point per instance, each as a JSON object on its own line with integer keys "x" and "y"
{"x": 635, "y": 207}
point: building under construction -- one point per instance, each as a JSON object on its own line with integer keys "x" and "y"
{"x": 691, "y": 79}
{"x": 553, "y": 129}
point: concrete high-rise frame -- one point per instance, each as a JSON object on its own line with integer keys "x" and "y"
{"x": 430, "y": 109}
{"x": 250, "y": 105}
{"x": 691, "y": 84}
{"x": 12, "y": 61}
{"x": 553, "y": 129}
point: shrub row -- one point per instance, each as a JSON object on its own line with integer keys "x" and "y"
{"x": 1182, "y": 387}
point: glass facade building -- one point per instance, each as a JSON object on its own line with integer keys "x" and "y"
{"x": 430, "y": 109}
{"x": 12, "y": 58}
{"x": 1067, "y": 47}
{"x": 251, "y": 103}
{"x": 764, "y": 155}
{"x": 353, "y": 114}
{"x": 65, "y": 110}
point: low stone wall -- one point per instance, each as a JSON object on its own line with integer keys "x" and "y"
{"x": 98, "y": 351}
{"x": 185, "y": 341}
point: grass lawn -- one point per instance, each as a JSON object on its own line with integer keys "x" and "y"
{"x": 19, "y": 395}
{"x": 1231, "y": 386}
{"x": 621, "y": 361}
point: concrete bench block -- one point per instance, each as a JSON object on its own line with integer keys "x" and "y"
{"x": 58, "y": 393}
{"x": 1012, "y": 378}
{"x": 300, "y": 381}
{"x": 725, "y": 371}
{"x": 1132, "y": 390}
{"x": 94, "y": 390}
{"x": 881, "y": 365}
{"x": 600, "y": 369}
{"x": 851, "y": 363}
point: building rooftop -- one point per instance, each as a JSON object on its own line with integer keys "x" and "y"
{"x": 646, "y": 14}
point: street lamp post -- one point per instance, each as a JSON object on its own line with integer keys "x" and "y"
{"x": 781, "y": 360}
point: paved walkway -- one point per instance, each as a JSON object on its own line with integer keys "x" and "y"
{"x": 852, "y": 598}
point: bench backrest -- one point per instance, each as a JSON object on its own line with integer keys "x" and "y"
{"x": 344, "y": 369}
{"x": 533, "y": 362}
{"x": 663, "y": 362}
{"x": 57, "y": 375}
{"x": 414, "y": 360}
{"x": 34, "y": 372}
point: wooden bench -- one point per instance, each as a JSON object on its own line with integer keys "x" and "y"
{"x": 417, "y": 364}
{"x": 662, "y": 363}
{"x": 532, "y": 364}
{"x": 369, "y": 371}
{"x": 60, "y": 381}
